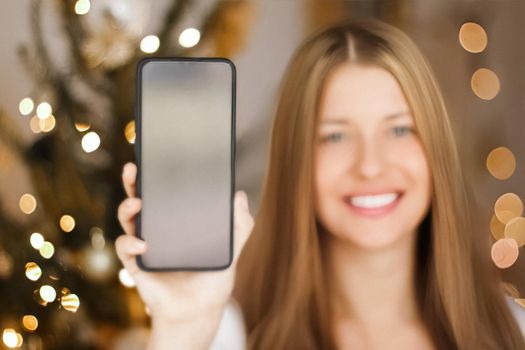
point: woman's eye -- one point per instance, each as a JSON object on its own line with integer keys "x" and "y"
{"x": 333, "y": 137}
{"x": 402, "y": 130}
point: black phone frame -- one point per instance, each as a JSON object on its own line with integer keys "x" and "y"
{"x": 138, "y": 132}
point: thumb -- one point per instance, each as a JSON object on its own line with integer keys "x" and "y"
{"x": 243, "y": 223}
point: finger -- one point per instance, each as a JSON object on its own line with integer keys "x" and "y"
{"x": 127, "y": 211}
{"x": 243, "y": 223}
{"x": 128, "y": 247}
{"x": 129, "y": 178}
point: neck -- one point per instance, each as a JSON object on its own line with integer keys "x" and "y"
{"x": 372, "y": 288}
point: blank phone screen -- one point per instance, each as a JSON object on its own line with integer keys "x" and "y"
{"x": 185, "y": 157}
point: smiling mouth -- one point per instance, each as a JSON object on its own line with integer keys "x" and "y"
{"x": 373, "y": 201}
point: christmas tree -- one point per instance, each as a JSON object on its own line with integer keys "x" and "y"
{"x": 61, "y": 286}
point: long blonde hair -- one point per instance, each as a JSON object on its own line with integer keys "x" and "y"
{"x": 281, "y": 279}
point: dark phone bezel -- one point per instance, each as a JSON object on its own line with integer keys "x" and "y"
{"x": 138, "y": 130}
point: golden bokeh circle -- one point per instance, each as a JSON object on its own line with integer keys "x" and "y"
{"x": 505, "y": 252}
{"x": 129, "y": 132}
{"x": 47, "y": 293}
{"x": 27, "y": 203}
{"x": 501, "y": 163}
{"x": 70, "y": 302}
{"x": 67, "y": 223}
{"x": 515, "y": 229}
{"x": 33, "y": 271}
{"x": 507, "y": 207}
{"x": 47, "y": 124}
{"x": 34, "y": 125}
{"x": 497, "y": 228}
{"x": 473, "y": 37}
{"x": 47, "y": 250}
{"x": 485, "y": 84}
{"x": 30, "y": 322}
{"x": 82, "y": 126}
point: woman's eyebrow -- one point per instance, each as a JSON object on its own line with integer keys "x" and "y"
{"x": 343, "y": 121}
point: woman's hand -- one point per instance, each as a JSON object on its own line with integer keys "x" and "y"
{"x": 178, "y": 297}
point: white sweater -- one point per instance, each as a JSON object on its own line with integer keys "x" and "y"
{"x": 231, "y": 334}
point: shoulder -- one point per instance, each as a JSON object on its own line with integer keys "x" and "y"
{"x": 518, "y": 312}
{"x": 231, "y": 334}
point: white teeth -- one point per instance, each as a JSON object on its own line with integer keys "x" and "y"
{"x": 374, "y": 201}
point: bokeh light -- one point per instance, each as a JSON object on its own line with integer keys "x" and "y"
{"x": 82, "y": 126}
{"x": 10, "y": 338}
{"x": 43, "y": 110}
{"x": 150, "y": 44}
{"x": 70, "y": 302}
{"x": 26, "y": 106}
{"x": 36, "y": 240}
{"x": 67, "y": 223}
{"x": 129, "y": 132}
{"x": 47, "y": 124}
{"x": 189, "y": 37}
{"x": 27, "y": 203}
{"x": 47, "y": 250}
{"x": 515, "y": 229}
{"x": 497, "y": 228}
{"x": 82, "y": 7}
{"x": 30, "y": 323}
{"x": 90, "y": 142}
{"x": 47, "y": 293}
{"x": 485, "y": 84}
{"x": 473, "y": 37}
{"x": 501, "y": 163}
{"x": 33, "y": 271}
{"x": 507, "y": 207}
{"x": 505, "y": 252}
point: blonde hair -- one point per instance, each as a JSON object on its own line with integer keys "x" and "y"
{"x": 281, "y": 279}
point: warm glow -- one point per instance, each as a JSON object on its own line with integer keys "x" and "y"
{"x": 485, "y": 84}
{"x": 82, "y": 7}
{"x": 501, "y": 163}
{"x": 129, "y": 132}
{"x": 10, "y": 338}
{"x": 27, "y": 203}
{"x": 26, "y": 106}
{"x": 34, "y": 125}
{"x": 189, "y": 37}
{"x": 473, "y": 37}
{"x": 515, "y": 229}
{"x": 48, "y": 293}
{"x": 36, "y": 240}
{"x": 70, "y": 302}
{"x": 30, "y": 322}
{"x": 90, "y": 141}
{"x": 48, "y": 124}
{"x": 43, "y": 110}
{"x": 507, "y": 207}
{"x": 505, "y": 252}
{"x": 497, "y": 228}
{"x": 47, "y": 250}
{"x": 150, "y": 44}
{"x": 33, "y": 271}
{"x": 67, "y": 223}
{"x": 82, "y": 127}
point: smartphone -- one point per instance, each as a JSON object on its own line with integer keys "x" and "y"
{"x": 185, "y": 154}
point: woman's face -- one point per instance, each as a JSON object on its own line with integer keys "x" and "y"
{"x": 373, "y": 185}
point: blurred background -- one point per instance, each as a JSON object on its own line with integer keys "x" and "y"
{"x": 66, "y": 129}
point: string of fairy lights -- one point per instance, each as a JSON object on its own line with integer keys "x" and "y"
{"x": 42, "y": 120}
{"x": 507, "y": 225}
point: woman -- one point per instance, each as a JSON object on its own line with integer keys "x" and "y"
{"x": 362, "y": 239}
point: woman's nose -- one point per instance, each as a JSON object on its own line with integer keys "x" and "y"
{"x": 369, "y": 161}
